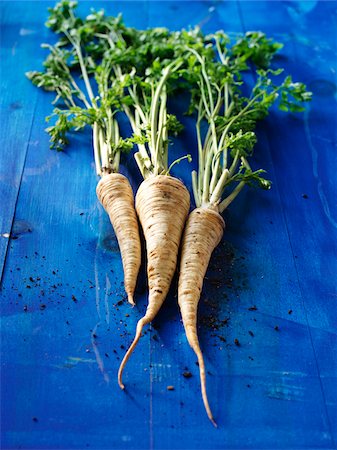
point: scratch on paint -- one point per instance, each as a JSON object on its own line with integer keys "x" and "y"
{"x": 292, "y": 374}
{"x": 97, "y": 289}
{"x": 314, "y": 154}
{"x": 72, "y": 361}
{"x": 300, "y": 8}
{"x": 98, "y": 355}
{"x": 76, "y": 360}
{"x": 26, "y": 32}
{"x": 206, "y": 18}
{"x": 98, "y": 308}
{"x": 286, "y": 392}
{"x": 97, "y": 286}
{"x": 160, "y": 371}
{"x": 46, "y": 167}
{"x": 106, "y": 303}
{"x": 14, "y": 48}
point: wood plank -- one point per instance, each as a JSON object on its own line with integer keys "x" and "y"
{"x": 18, "y": 101}
{"x": 308, "y": 196}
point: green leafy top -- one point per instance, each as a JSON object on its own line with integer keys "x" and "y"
{"x": 150, "y": 73}
{"x": 78, "y": 70}
{"x": 231, "y": 116}
{"x": 99, "y": 66}
{"x": 121, "y": 69}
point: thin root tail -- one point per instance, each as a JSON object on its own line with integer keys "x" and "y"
{"x": 139, "y": 329}
{"x": 131, "y": 300}
{"x": 202, "y": 371}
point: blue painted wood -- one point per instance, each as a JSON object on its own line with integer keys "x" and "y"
{"x": 309, "y": 195}
{"x": 64, "y": 316}
{"x": 17, "y": 110}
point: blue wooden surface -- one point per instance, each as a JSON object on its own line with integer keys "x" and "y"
{"x": 62, "y": 275}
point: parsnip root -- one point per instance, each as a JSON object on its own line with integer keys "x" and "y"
{"x": 162, "y": 204}
{"x": 115, "y": 194}
{"x": 203, "y": 232}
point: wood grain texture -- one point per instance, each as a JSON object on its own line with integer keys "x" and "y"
{"x": 308, "y": 193}
{"x": 18, "y": 101}
{"x": 65, "y": 318}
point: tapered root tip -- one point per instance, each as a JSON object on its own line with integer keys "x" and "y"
{"x": 131, "y": 300}
{"x": 213, "y": 422}
{"x": 195, "y": 345}
{"x": 207, "y": 407}
{"x": 139, "y": 329}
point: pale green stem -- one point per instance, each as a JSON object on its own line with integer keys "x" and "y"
{"x": 177, "y": 161}
{"x": 207, "y": 168}
{"x": 165, "y": 142}
{"x": 140, "y": 164}
{"x": 228, "y": 200}
{"x": 203, "y": 96}
{"x": 154, "y": 111}
{"x": 145, "y": 160}
{"x": 116, "y": 134}
{"x": 209, "y": 89}
{"x": 234, "y": 164}
{"x": 97, "y": 154}
{"x": 68, "y": 101}
{"x": 221, "y": 56}
{"x": 245, "y": 163}
{"x": 137, "y": 121}
{"x": 218, "y": 103}
{"x": 80, "y": 94}
{"x": 224, "y": 158}
{"x": 214, "y": 135}
{"x": 195, "y": 189}
{"x": 207, "y": 175}
{"x": 84, "y": 72}
{"x": 204, "y": 74}
{"x": 136, "y": 105}
{"x": 225, "y": 150}
{"x": 217, "y": 193}
{"x": 200, "y": 151}
{"x": 130, "y": 116}
{"x": 226, "y": 98}
{"x": 155, "y": 103}
{"x": 116, "y": 142}
{"x": 154, "y": 107}
{"x": 104, "y": 149}
{"x": 77, "y": 47}
{"x": 110, "y": 126}
{"x": 229, "y": 109}
{"x": 215, "y": 175}
{"x": 242, "y": 112}
{"x": 225, "y": 63}
{"x": 161, "y": 126}
{"x": 145, "y": 156}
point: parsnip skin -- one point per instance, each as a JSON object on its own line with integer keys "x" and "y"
{"x": 115, "y": 194}
{"x": 203, "y": 232}
{"x": 162, "y": 204}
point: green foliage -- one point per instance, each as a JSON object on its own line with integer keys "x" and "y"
{"x": 100, "y": 66}
{"x": 66, "y": 120}
{"x": 58, "y": 132}
{"x": 254, "y": 46}
{"x": 240, "y": 143}
{"x": 251, "y": 178}
{"x": 217, "y": 98}
{"x": 173, "y": 125}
